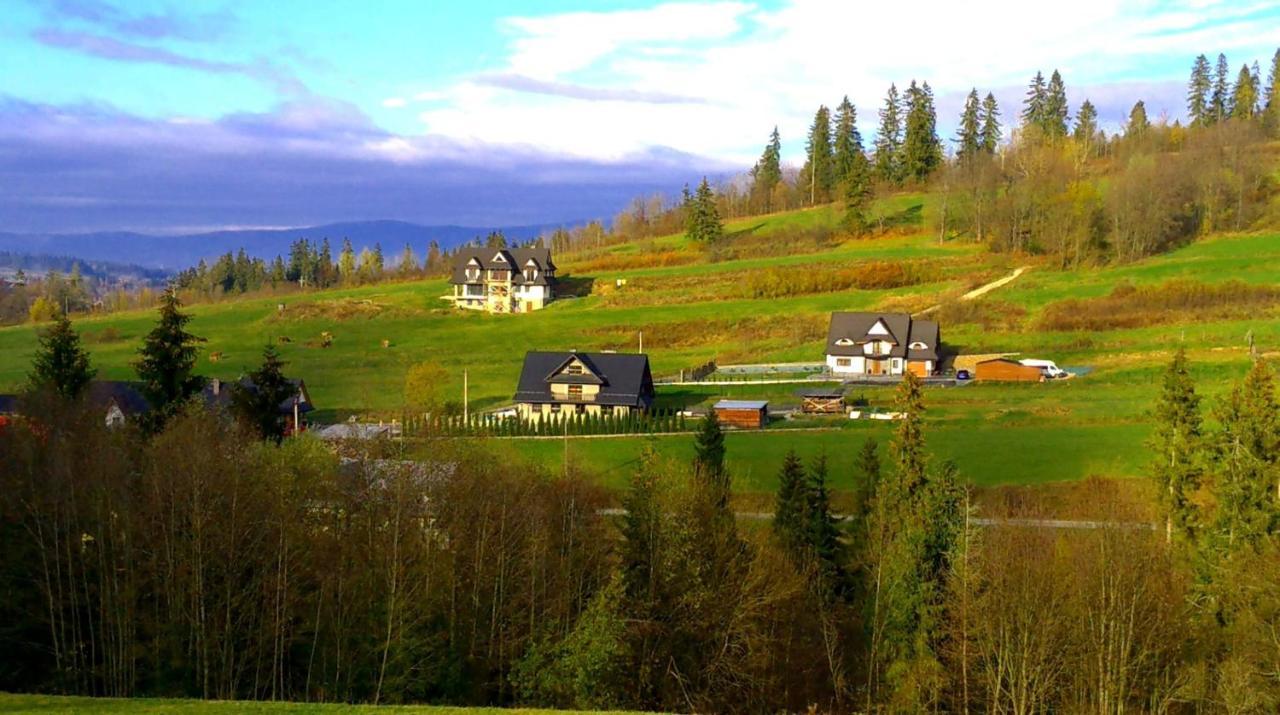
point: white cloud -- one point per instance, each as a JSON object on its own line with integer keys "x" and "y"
{"x": 753, "y": 68}
{"x": 394, "y": 102}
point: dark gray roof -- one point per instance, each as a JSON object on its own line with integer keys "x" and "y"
{"x": 218, "y": 393}
{"x": 513, "y": 259}
{"x": 125, "y": 395}
{"x": 8, "y": 404}
{"x": 624, "y": 378}
{"x": 903, "y": 331}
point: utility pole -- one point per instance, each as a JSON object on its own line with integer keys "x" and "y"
{"x": 641, "y": 342}
{"x": 465, "y": 401}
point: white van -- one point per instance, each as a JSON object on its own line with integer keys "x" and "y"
{"x": 1048, "y": 367}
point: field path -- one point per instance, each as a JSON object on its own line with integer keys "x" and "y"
{"x": 983, "y": 289}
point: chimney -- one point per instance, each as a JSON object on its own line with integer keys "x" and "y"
{"x": 216, "y": 385}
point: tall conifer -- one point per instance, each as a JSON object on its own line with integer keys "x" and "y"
{"x": 1220, "y": 96}
{"x": 1176, "y": 443}
{"x": 1198, "y": 93}
{"x": 1055, "y": 107}
{"x": 888, "y": 161}
{"x": 990, "y": 124}
{"x": 61, "y": 365}
{"x": 921, "y": 150}
{"x": 969, "y": 134}
{"x": 167, "y": 361}
{"x": 818, "y": 173}
{"x": 1244, "y": 96}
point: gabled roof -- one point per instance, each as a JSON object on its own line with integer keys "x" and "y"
{"x": 903, "y": 331}
{"x": 218, "y": 393}
{"x": 125, "y": 395}
{"x": 513, "y": 259}
{"x": 625, "y": 379}
{"x": 591, "y": 376}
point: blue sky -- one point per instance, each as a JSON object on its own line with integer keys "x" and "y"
{"x": 193, "y": 115}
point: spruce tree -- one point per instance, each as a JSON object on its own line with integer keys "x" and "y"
{"x": 921, "y": 150}
{"x": 1177, "y": 442}
{"x": 167, "y": 363}
{"x": 1055, "y": 108}
{"x": 1220, "y": 96}
{"x": 1244, "y": 96}
{"x": 1033, "y": 107}
{"x": 1271, "y": 106}
{"x": 969, "y": 134}
{"x": 708, "y": 461}
{"x": 1086, "y": 123}
{"x": 818, "y": 173}
{"x": 258, "y": 402}
{"x": 1246, "y": 485}
{"x": 1198, "y": 89}
{"x": 347, "y": 262}
{"x": 850, "y": 157}
{"x": 702, "y": 218}
{"x": 990, "y": 132}
{"x": 868, "y": 468}
{"x": 791, "y": 502}
{"x": 1138, "y": 122}
{"x": 888, "y": 161}
{"x": 61, "y": 365}
{"x": 767, "y": 173}
{"x": 642, "y": 536}
{"x": 908, "y": 443}
{"x": 822, "y": 534}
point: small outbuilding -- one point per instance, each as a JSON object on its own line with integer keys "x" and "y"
{"x": 1006, "y": 370}
{"x": 822, "y": 402}
{"x": 746, "y": 414}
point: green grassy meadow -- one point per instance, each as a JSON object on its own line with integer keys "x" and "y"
{"x": 695, "y": 310}
{"x": 14, "y": 703}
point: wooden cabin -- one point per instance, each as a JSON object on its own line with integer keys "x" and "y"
{"x": 745, "y": 414}
{"x": 822, "y": 402}
{"x": 1006, "y": 370}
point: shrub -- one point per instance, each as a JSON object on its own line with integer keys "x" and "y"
{"x": 1176, "y": 300}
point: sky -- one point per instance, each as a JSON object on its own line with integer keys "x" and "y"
{"x": 193, "y": 115}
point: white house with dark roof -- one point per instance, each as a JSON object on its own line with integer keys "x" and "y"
{"x": 503, "y": 280}
{"x": 553, "y": 384}
{"x": 861, "y": 344}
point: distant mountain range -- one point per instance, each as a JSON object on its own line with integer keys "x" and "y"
{"x": 176, "y": 252}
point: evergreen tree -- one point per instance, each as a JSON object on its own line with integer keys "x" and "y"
{"x": 1244, "y": 97}
{"x": 377, "y": 264}
{"x": 791, "y": 502}
{"x": 1220, "y": 98}
{"x": 1055, "y": 107}
{"x": 1271, "y": 106}
{"x": 818, "y": 173}
{"x": 167, "y": 362}
{"x": 990, "y": 124}
{"x": 921, "y": 150}
{"x": 258, "y": 402}
{"x": 495, "y": 240}
{"x": 868, "y": 469}
{"x": 1034, "y": 106}
{"x": 277, "y": 271}
{"x": 1198, "y": 97}
{"x": 1176, "y": 443}
{"x": 642, "y": 534}
{"x": 434, "y": 257}
{"x": 708, "y": 461}
{"x": 767, "y": 173}
{"x": 1246, "y": 487}
{"x": 324, "y": 265}
{"x": 822, "y": 534}
{"x": 1138, "y": 122}
{"x": 888, "y": 162}
{"x": 850, "y": 157}
{"x": 702, "y": 218}
{"x": 1086, "y": 123}
{"x": 909, "y": 438}
{"x": 408, "y": 262}
{"x": 969, "y": 135}
{"x": 61, "y": 365}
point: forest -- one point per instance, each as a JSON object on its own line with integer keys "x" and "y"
{"x": 197, "y": 553}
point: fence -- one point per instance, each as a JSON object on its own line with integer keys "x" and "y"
{"x": 574, "y": 424}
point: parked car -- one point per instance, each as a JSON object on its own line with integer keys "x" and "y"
{"x": 1048, "y": 367}
{"x": 963, "y": 375}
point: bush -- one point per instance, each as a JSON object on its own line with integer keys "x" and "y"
{"x": 1176, "y": 300}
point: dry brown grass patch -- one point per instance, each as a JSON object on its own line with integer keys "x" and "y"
{"x": 1174, "y": 301}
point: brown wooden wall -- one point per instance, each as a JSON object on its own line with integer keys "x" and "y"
{"x": 1007, "y": 371}
{"x": 746, "y": 419}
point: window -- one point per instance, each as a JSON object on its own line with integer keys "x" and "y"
{"x": 844, "y": 341}
{"x": 575, "y": 368}
{"x": 843, "y": 362}
{"x": 575, "y": 392}
{"x": 473, "y": 272}
{"x": 897, "y": 364}
{"x": 917, "y": 345}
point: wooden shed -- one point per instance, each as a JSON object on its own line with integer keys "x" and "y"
{"x": 1006, "y": 370}
{"x": 822, "y": 402}
{"x": 747, "y": 414}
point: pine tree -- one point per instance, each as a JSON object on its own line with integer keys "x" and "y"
{"x": 1244, "y": 96}
{"x": 376, "y": 265}
{"x": 1055, "y": 108}
{"x": 921, "y": 150}
{"x": 1220, "y": 97}
{"x": 908, "y": 441}
{"x": 990, "y": 124}
{"x": 850, "y": 157}
{"x": 868, "y": 468}
{"x": 888, "y": 162}
{"x": 702, "y": 218}
{"x": 969, "y": 135}
{"x": 1271, "y": 107}
{"x": 324, "y": 265}
{"x": 167, "y": 363}
{"x": 822, "y": 534}
{"x": 1247, "y": 487}
{"x": 1198, "y": 89}
{"x": 61, "y": 365}
{"x": 1033, "y": 107}
{"x": 708, "y": 461}
{"x": 1138, "y": 122}
{"x": 258, "y": 402}
{"x": 642, "y": 536}
{"x": 1086, "y": 124}
{"x": 791, "y": 502}
{"x": 767, "y": 173}
{"x": 277, "y": 271}
{"x": 1176, "y": 443}
{"x": 818, "y": 173}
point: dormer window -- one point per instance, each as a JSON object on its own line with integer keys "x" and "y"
{"x": 844, "y": 342}
{"x": 497, "y": 258}
{"x": 917, "y": 345}
{"x": 473, "y": 270}
{"x": 574, "y": 368}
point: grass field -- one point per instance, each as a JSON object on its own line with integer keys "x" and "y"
{"x": 695, "y": 311}
{"x": 12, "y": 703}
